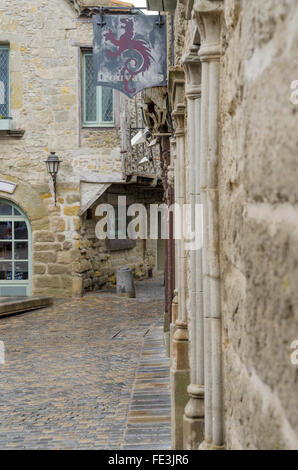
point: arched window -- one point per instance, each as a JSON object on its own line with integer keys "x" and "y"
{"x": 15, "y": 251}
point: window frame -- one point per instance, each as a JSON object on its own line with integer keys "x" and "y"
{"x": 20, "y": 217}
{"x": 98, "y": 123}
{"x": 5, "y": 123}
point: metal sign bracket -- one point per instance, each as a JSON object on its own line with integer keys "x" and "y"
{"x": 160, "y": 22}
{"x": 101, "y": 18}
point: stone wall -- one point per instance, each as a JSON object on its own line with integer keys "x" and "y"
{"x": 258, "y": 223}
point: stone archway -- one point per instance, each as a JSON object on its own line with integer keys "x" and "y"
{"x": 29, "y": 200}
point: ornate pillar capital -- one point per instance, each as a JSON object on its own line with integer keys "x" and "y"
{"x": 177, "y": 93}
{"x": 208, "y": 16}
{"x": 188, "y": 4}
{"x": 192, "y": 67}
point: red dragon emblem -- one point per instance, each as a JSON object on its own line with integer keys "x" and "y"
{"x": 132, "y": 66}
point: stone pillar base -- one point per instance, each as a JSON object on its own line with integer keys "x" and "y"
{"x": 172, "y": 332}
{"x": 193, "y": 433}
{"x": 193, "y": 420}
{"x": 208, "y": 446}
{"x": 179, "y": 381}
{"x": 166, "y": 334}
{"x": 77, "y": 287}
{"x": 173, "y": 323}
{"x": 166, "y": 337}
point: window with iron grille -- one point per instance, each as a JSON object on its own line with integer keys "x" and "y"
{"x": 4, "y": 88}
{"x": 98, "y": 102}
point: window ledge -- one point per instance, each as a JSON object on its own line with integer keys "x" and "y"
{"x": 99, "y": 128}
{"x": 16, "y": 133}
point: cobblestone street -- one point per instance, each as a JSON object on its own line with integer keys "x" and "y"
{"x": 68, "y": 380}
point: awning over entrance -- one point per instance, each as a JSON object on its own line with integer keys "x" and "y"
{"x": 93, "y": 189}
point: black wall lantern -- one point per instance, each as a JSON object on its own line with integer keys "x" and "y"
{"x": 52, "y": 164}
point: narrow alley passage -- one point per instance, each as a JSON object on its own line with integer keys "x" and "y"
{"x": 70, "y": 370}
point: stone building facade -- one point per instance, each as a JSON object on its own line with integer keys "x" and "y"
{"x": 45, "y": 43}
{"x": 234, "y": 323}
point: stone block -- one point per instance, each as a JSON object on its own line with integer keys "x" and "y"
{"x": 39, "y": 269}
{"x": 45, "y": 257}
{"x": 58, "y": 269}
{"x": 41, "y": 282}
{"x": 67, "y": 245}
{"x": 47, "y": 247}
{"x": 58, "y": 224}
{"x": 17, "y": 90}
{"x": 73, "y": 198}
{"x": 44, "y": 237}
{"x": 82, "y": 266}
{"x": 67, "y": 257}
{"x": 71, "y": 210}
{"x": 77, "y": 286}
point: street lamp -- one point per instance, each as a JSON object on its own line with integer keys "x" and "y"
{"x": 52, "y": 164}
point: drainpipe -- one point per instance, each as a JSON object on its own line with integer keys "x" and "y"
{"x": 208, "y": 16}
{"x": 193, "y": 421}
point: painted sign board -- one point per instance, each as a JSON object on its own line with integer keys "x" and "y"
{"x": 130, "y": 52}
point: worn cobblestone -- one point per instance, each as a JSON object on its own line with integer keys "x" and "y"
{"x": 69, "y": 372}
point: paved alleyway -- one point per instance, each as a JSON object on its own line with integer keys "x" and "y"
{"x": 68, "y": 379}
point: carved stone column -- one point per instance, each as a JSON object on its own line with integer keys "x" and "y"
{"x": 179, "y": 360}
{"x": 193, "y": 422}
{"x": 208, "y": 16}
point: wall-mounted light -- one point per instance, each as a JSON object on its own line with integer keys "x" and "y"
{"x": 141, "y": 137}
{"x": 52, "y": 164}
{"x": 146, "y": 160}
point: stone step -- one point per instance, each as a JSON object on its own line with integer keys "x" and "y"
{"x": 24, "y": 304}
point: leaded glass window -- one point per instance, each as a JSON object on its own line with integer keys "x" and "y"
{"x": 4, "y": 88}
{"x": 98, "y": 102}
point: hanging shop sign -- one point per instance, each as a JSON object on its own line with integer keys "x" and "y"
{"x": 130, "y": 51}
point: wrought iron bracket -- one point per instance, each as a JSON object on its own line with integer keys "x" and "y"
{"x": 101, "y": 19}
{"x": 160, "y": 22}
{"x": 122, "y": 11}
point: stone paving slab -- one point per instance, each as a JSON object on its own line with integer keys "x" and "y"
{"x": 67, "y": 382}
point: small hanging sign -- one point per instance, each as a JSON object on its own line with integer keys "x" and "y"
{"x": 7, "y": 186}
{"x": 130, "y": 52}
